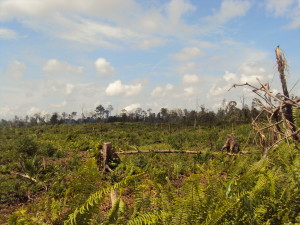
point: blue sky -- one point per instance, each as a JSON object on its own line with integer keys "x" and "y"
{"x": 65, "y": 56}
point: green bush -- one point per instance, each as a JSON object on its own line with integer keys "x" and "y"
{"x": 177, "y": 140}
{"x": 26, "y": 145}
{"x": 48, "y": 150}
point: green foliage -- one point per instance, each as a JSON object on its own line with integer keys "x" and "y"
{"x": 48, "y": 150}
{"x": 96, "y": 199}
{"x": 177, "y": 140}
{"x": 26, "y": 145}
{"x": 13, "y": 190}
{"x": 208, "y": 188}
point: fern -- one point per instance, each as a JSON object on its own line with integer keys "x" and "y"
{"x": 96, "y": 199}
{"x": 113, "y": 215}
{"x": 148, "y": 218}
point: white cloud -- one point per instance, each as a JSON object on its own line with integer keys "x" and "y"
{"x": 249, "y": 71}
{"x": 162, "y": 91}
{"x": 188, "y": 54}
{"x": 190, "y": 78}
{"x": 229, "y": 76}
{"x": 56, "y": 67}
{"x": 6, "y": 111}
{"x": 60, "y": 105}
{"x": 219, "y": 90}
{"x": 150, "y": 43}
{"x": 188, "y": 67}
{"x": 118, "y": 89}
{"x": 286, "y": 8}
{"x": 188, "y": 91}
{"x": 279, "y": 7}
{"x": 69, "y": 88}
{"x": 132, "y": 107}
{"x": 16, "y": 70}
{"x": 229, "y": 9}
{"x": 7, "y": 34}
{"x": 110, "y": 24}
{"x": 203, "y": 44}
{"x": 177, "y": 8}
{"x": 103, "y": 67}
{"x": 33, "y": 110}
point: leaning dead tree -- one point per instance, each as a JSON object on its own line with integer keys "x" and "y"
{"x": 275, "y": 122}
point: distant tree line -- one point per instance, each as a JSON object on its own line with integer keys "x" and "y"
{"x": 228, "y": 113}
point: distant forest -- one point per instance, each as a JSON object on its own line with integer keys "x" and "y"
{"x": 228, "y": 113}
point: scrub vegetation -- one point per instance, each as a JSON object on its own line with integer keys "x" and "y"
{"x": 165, "y": 168}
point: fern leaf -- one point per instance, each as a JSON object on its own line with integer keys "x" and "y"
{"x": 147, "y": 218}
{"x": 113, "y": 214}
{"x": 97, "y": 198}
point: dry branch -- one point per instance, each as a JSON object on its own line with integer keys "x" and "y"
{"x": 23, "y": 175}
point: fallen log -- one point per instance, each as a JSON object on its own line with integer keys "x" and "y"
{"x": 173, "y": 151}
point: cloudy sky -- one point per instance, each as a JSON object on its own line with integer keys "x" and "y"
{"x": 72, "y": 55}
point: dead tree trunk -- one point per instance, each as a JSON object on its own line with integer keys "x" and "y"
{"x": 282, "y": 67}
{"x": 231, "y": 145}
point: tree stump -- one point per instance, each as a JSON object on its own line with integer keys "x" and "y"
{"x": 108, "y": 158}
{"x": 231, "y": 145}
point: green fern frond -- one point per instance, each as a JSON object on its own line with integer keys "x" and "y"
{"x": 97, "y": 198}
{"x": 224, "y": 207}
{"x": 112, "y": 216}
{"x": 148, "y": 218}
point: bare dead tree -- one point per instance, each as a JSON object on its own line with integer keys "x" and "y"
{"x": 276, "y": 108}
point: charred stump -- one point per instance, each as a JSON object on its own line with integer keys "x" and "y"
{"x": 231, "y": 145}
{"x": 107, "y": 159}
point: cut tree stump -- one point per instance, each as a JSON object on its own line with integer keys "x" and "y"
{"x": 231, "y": 145}
{"x": 108, "y": 158}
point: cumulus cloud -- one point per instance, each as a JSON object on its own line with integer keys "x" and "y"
{"x": 118, "y": 89}
{"x": 247, "y": 72}
{"x": 61, "y": 78}
{"x": 229, "y": 76}
{"x": 190, "y": 78}
{"x": 188, "y": 91}
{"x": 56, "y": 67}
{"x": 16, "y": 70}
{"x": 69, "y": 88}
{"x": 132, "y": 107}
{"x": 7, "y": 34}
{"x": 103, "y": 67}
{"x": 6, "y": 111}
{"x": 188, "y": 67}
{"x": 219, "y": 90}
{"x": 188, "y": 54}
{"x": 160, "y": 91}
{"x": 60, "y": 105}
{"x": 33, "y": 110}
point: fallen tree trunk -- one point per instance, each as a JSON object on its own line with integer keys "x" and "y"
{"x": 173, "y": 151}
